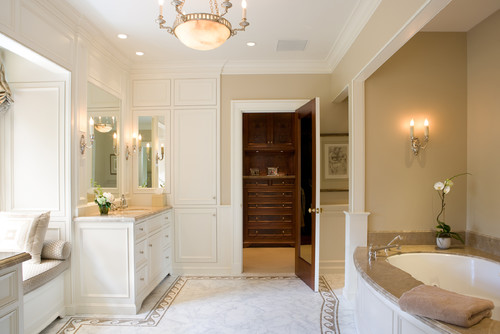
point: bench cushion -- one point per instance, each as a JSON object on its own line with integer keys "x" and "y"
{"x": 35, "y": 275}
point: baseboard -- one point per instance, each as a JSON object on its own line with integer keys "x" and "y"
{"x": 178, "y": 271}
{"x": 332, "y": 267}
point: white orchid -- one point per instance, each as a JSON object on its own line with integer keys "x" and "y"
{"x": 439, "y": 185}
{"x": 443, "y": 188}
{"x": 109, "y": 197}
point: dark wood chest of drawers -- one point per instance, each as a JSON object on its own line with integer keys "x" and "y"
{"x": 269, "y": 211}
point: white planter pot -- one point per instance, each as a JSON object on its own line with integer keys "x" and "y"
{"x": 443, "y": 243}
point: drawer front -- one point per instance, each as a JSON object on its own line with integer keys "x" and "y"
{"x": 271, "y": 196}
{"x": 168, "y": 218}
{"x": 166, "y": 237}
{"x": 9, "y": 323}
{"x": 140, "y": 253}
{"x": 282, "y": 182}
{"x": 141, "y": 279}
{"x": 8, "y": 287}
{"x": 270, "y": 218}
{"x": 140, "y": 231}
{"x": 167, "y": 256}
{"x": 256, "y": 182}
{"x": 155, "y": 223}
{"x": 270, "y": 232}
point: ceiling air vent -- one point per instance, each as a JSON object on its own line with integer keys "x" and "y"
{"x": 291, "y": 45}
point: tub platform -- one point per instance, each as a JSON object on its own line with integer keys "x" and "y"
{"x": 388, "y": 283}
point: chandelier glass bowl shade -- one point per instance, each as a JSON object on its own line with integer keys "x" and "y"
{"x": 202, "y": 31}
{"x": 104, "y": 124}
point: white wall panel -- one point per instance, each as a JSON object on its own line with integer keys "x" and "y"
{"x": 151, "y": 93}
{"x": 332, "y": 239}
{"x": 47, "y": 33}
{"x": 195, "y": 156}
{"x": 195, "y": 92}
{"x": 195, "y": 235}
{"x": 37, "y": 173}
{"x": 105, "y": 72}
{"x": 7, "y": 14}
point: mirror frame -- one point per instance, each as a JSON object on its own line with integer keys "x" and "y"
{"x": 168, "y": 152}
{"x": 119, "y": 170}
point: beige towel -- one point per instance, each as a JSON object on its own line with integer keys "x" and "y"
{"x": 444, "y": 305}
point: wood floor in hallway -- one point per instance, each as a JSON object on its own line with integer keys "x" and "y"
{"x": 276, "y": 260}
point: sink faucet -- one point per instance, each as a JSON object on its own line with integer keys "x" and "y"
{"x": 372, "y": 251}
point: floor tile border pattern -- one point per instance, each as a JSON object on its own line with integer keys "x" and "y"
{"x": 329, "y": 309}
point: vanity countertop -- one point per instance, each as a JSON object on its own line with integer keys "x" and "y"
{"x": 9, "y": 259}
{"x": 130, "y": 214}
{"x": 392, "y": 282}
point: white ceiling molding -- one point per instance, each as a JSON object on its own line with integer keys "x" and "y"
{"x": 356, "y": 22}
{"x": 276, "y": 67}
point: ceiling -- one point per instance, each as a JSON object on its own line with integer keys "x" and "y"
{"x": 318, "y": 22}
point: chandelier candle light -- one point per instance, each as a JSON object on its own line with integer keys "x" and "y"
{"x": 203, "y": 31}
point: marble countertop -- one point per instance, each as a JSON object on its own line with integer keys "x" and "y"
{"x": 130, "y": 214}
{"x": 9, "y": 259}
{"x": 392, "y": 282}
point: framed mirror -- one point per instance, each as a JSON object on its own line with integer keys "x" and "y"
{"x": 151, "y": 141}
{"x": 103, "y": 162}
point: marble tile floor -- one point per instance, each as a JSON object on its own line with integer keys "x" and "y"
{"x": 228, "y": 304}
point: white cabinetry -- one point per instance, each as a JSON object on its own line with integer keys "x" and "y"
{"x": 119, "y": 261}
{"x": 11, "y": 293}
{"x": 195, "y": 156}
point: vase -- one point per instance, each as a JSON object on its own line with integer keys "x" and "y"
{"x": 103, "y": 210}
{"x": 443, "y": 243}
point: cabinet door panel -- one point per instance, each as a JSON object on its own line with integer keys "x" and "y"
{"x": 256, "y": 130}
{"x": 283, "y": 129}
{"x": 195, "y": 156}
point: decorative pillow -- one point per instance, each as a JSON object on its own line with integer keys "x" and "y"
{"x": 14, "y": 233}
{"x": 36, "y": 236}
{"x": 56, "y": 250}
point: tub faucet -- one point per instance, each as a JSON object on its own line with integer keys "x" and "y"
{"x": 372, "y": 251}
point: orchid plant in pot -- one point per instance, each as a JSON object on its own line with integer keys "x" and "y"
{"x": 103, "y": 199}
{"x": 443, "y": 232}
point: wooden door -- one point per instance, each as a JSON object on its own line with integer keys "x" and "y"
{"x": 308, "y": 187}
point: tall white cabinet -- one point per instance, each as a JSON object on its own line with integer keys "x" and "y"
{"x": 193, "y": 105}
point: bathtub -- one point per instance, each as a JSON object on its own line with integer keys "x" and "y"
{"x": 466, "y": 275}
{"x": 383, "y": 280}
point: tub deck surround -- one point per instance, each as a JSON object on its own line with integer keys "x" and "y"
{"x": 392, "y": 282}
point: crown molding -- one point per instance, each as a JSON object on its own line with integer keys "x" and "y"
{"x": 276, "y": 67}
{"x": 356, "y": 22}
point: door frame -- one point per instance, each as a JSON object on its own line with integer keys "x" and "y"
{"x": 238, "y": 107}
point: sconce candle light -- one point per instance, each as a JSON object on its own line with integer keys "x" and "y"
{"x": 83, "y": 143}
{"x": 160, "y": 157}
{"x": 416, "y": 144}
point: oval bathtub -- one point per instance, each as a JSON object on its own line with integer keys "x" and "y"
{"x": 466, "y": 275}
{"x": 382, "y": 280}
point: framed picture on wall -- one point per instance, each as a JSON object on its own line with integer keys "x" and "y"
{"x": 113, "y": 164}
{"x": 334, "y": 162}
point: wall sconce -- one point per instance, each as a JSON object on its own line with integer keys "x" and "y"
{"x": 83, "y": 143}
{"x": 416, "y": 144}
{"x": 160, "y": 157}
{"x": 116, "y": 151}
{"x": 136, "y": 142}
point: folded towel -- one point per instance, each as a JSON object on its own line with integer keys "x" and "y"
{"x": 444, "y": 305}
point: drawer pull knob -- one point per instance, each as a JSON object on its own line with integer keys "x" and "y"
{"x": 167, "y": 257}
{"x": 142, "y": 278}
{"x": 150, "y": 245}
{"x": 283, "y": 194}
{"x": 256, "y": 232}
{"x": 283, "y": 231}
{"x": 282, "y": 218}
{"x": 141, "y": 252}
{"x": 282, "y": 182}
{"x": 166, "y": 235}
{"x": 141, "y": 229}
{"x": 214, "y": 197}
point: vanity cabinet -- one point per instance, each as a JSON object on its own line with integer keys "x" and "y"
{"x": 120, "y": 260}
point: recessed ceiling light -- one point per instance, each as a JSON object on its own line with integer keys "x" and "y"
{"x": 122, "y": 36}
{"x": 250, "y": 43}
{"x": 139, "y": 53}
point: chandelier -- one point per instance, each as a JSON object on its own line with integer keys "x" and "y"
{"x": 105, "y": 124}
{"x": 203, "y": 31}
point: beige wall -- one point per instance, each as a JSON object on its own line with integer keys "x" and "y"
{"x": 261, "y": 87}
{"x": 387, "y": 20}
{"x": 483, "y": 49}
{"x": 426, "y": 78}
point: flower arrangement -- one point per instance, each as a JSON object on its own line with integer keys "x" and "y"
{"x": 103, "y": 199}
{"x": 443, "y": 229}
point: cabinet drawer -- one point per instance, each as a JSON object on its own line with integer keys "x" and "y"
{"x": 168, "y": 218}
{"x": 166, "y": 237}
{"x": 270, "y": 218}
{"x": 256, "y": 182}
{"x": 167, "y": 256}
{"x": 270, "y": 232}
{"x": 140, "y": 231}
{"x": 140, "y": 252}
{"x": 282, "y": 182}
{"x": 269, "y": 206}
{"x": 141, "y": 277}
{"x": 8, "y": 287}
{"x": 271, "y": 195}
{"x": 155, "y": 223}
